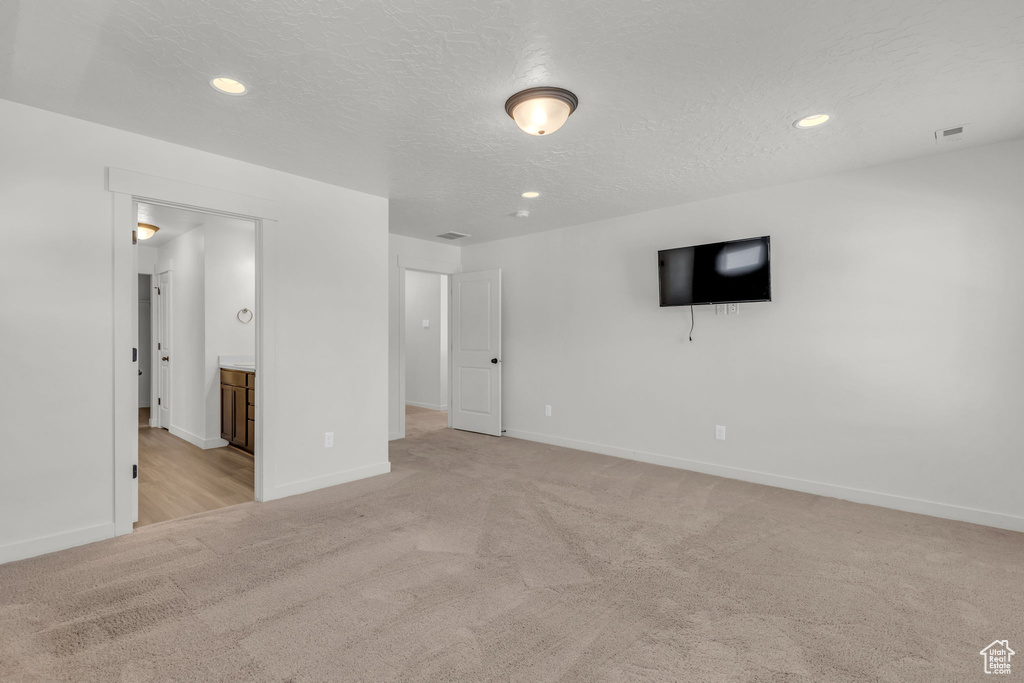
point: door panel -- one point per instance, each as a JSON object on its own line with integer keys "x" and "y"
{"x": 163, "y": 299}
{"x": 476, "y": 352}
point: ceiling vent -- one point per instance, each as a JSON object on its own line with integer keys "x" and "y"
{"x": 949, "y": 135}
{"x": 452, "y": 235}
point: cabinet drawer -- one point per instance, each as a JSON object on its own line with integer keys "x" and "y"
{"x": 250, "y": 396}
{"x": 250, "y": 380}
{"x": 232, "y": 378}
{"x": 251, "y": 412}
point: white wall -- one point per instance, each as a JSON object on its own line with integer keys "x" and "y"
{"x": 406, "y": 249}
{"x": 184, "y": 257}
{"x": 230, "y": 286}
{"x": 887, "y": 369}
{"x": 148, "y": 257}
{"x": 325, "y": 278}
{"x": 423, "y": 368}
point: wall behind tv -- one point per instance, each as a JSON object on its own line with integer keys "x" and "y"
{"x": 887, "y": 369}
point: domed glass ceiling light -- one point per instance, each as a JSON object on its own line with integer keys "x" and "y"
{"x": 541, "y": 111}
{"x": 147, "y": 230}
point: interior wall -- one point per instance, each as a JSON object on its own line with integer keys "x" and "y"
{"x": 324, "y": 276}
{"x": 423, "y": 344}
{"x": 402, "y": 248}
{"x": 886, "y": 369}
{"x": 230, "y": 267}
{"x": 145, "y": 341}
{"x": 442, "y": 330}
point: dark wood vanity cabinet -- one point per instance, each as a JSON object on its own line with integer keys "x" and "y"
{"x": 237, "y": 408}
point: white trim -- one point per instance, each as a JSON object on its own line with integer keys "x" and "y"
{"x": 428, "y": 406}
{"x": 333, "y": 479}
{"x": 195, "y": 440}
{"x": 445, "y": 268}
{"x": 886, "y": 500}
{"x": 165, "y": 191}
{"x": 54, "y": 542}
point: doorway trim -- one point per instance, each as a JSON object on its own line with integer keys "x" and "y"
{"x": 126, "y": 188}
{"x": 424, "y": 266}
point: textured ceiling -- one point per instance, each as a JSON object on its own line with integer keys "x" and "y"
{"x": 680, "y": 100}
{"x": 175, "y": 222}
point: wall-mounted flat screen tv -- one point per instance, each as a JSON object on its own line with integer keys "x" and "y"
{"x": 721, "y": 273}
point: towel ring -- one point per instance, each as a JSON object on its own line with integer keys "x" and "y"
{"x": 242, "y": 313}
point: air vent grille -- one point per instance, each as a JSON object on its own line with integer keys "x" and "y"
{"x": 948, "y": 135}
{"x": 452, "y": 235}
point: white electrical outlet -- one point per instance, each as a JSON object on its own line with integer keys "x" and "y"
{"x": 720, "y": 432}
{"x": 328, "y": 439}
{"x": 547, "y": 411}
{"x": 734, "y": 309}
{"x": 426, "y": 323}
{"x": 720, "y": 309}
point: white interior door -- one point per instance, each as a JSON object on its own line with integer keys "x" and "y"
{"x": 163, "y": 353}
{"x": 476, "y": 351}
{"x": 136, "y": 359}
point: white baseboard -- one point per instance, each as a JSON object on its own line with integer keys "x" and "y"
{"x": 428, "y": 406}
{"x": 195, "y": 440}
{"x": 886, "y": 500}
{"x": 54, "y": 542}
{"x": 333, "y": 479}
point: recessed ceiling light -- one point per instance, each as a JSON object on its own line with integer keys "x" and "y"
{"x": 541, "y": 111}
{"x": 530, "y": 195}
{"x": 228, "y": 86}
{"x": 811, "y": 121}
{"x": 147, "y": 230}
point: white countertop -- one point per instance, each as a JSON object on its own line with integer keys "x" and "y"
{"x": 240, "y": 363}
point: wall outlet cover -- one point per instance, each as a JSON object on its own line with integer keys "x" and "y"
{"x": 720, "y": 432}
{"x": 426, "y": 323}
{"x": 328, "y": 439}
{"x": 547, "y": 411}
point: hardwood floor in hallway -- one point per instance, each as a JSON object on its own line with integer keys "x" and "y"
{"x": 177, "y": 479}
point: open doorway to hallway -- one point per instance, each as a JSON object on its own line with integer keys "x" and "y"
{"x": 197, "y": 289}
{"x": 426, "y": 346}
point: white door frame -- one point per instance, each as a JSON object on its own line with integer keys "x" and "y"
{"x": 424, "y": 266}
{"x": 128, "y": 187}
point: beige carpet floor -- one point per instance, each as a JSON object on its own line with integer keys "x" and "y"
{"x": 483, "y": 559}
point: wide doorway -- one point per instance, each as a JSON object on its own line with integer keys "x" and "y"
{"x": 197, "y": 362}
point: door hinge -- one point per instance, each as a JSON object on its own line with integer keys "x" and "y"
{"x": 158, "y": 346}
{"x": 135, "y": 355}
{"x": 158, "y": 400}
{"x": 135, "y": 236}
{"x": 135, "y": 471}
{"x": 157, "y": 291}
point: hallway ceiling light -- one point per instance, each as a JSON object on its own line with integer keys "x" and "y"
{"x": 147, "y": 230}
{"x": 541, "y": 111}
{"x": 811, "y": 121}
{"x": 530, "y": 195}
{"x": 228, "y": 86}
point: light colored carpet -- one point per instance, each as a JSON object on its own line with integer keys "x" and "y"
{"x": 482, "y": 559}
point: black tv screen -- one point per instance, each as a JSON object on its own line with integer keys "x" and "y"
{"x": 721, "y": 273}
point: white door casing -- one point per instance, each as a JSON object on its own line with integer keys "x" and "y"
{"x": 163, "y": 340}
{"x": 475, "y": 318}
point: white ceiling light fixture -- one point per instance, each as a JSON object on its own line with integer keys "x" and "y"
{"x": 530, "y": 195}
{"x": 812, "y": 121}
{"x": 147, "y": 230}
{"x": 228, "y": 86}
{"x": 541, "y": 111}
